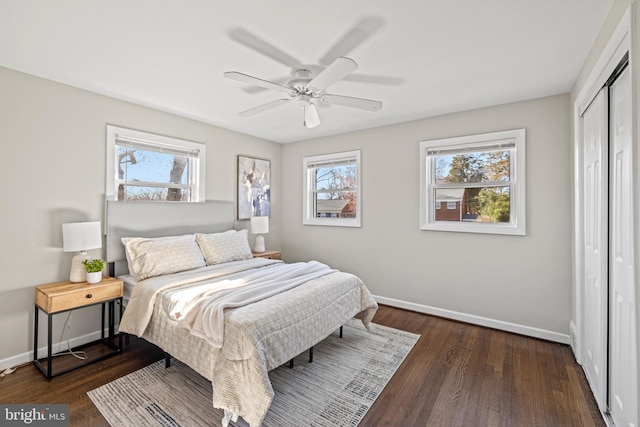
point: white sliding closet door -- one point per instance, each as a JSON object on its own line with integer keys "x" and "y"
{"x": 609, "y": 314}
{"x": 622, "y": 313}
{"x": 595, "y": 212}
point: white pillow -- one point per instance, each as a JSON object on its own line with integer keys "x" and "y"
{"x": 231, "y": 245}
{"x": 149, "y": 257}
{"x": 125, "y": 240}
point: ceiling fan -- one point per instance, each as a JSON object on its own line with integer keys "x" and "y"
{"x": 308, "y": 82}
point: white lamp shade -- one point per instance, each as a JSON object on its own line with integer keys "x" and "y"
{"x": 259, "y": 224}
{"x": 81, "y": 236}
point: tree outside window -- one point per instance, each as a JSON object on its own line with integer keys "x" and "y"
{"x": 332, "y": 184}
{"x": 482, "y": 176}
{"x": 146, "y": 167}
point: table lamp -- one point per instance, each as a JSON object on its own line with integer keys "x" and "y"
{"x": 80, "y": 236}
{"x": 259, "y": 226}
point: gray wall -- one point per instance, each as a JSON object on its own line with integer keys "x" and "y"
{"x": 53, "y": 139}
{"x": 510, "y": 279}
{"x": 55, "y": 161}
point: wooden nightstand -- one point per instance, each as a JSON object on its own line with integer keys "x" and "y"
{"x": 61, "y": 297}
{"x": 267, "y": 254}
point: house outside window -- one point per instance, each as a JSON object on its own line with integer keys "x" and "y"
{"x": 143, "y": 166}
{"x": 481, "y": 178}
{"x": 332, "y": 189}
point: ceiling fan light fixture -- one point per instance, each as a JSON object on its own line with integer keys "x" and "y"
{"x": 311, "y": 118}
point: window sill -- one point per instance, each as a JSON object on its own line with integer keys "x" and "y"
{"x": 504, "y": 229}
{"x": 332, "y": 222}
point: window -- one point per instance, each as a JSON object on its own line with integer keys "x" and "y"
{"x": 144, "y": 166}
{"x": 332, "y": 189}
{"x": 482, "y": 176}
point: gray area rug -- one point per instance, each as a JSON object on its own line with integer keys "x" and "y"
{"x": 337, "y": 389}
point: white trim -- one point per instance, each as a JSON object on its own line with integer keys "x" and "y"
{"x": 572, "y": 336}
{"x": 477, "y": 320}
{"x": 197, "y": 170}
{"x": 517, "y": 224}
{"x": 308, "y": 217}
{"x": 618, "y": 45}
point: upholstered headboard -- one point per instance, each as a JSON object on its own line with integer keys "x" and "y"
{"x": 159, "y": 219}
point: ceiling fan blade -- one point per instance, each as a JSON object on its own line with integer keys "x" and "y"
{"x": 348, "y": 101}
{"x": 364, "y": 29}
{"x": 245, "y": 78}
{"x": 260, "y": 108}
{"x": 340, "y": 68}
{"x": 257, "y": 89}
{"x": 369, "y": 78}
{"x": 311, "y": 118}
{"x": 254, "y": 42}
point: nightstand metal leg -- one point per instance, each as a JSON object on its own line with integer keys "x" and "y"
{"x": 49, "y": 345}
{"x": 35, "y": 334}
{"x": 102, "y": 321}
{"x": 112, "y": 315}
{"x": 119, "y": 333}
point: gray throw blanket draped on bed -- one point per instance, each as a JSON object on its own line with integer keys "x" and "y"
{"x": 140, "y": 307}
{"x": 203, "y": 315}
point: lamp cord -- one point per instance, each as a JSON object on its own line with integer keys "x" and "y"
{"x": 77, "y": 354}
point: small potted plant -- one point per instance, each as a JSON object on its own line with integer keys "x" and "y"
{"x": 94, "y": 269}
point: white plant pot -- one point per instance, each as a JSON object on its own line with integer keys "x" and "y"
{"x": 94, "y": 277}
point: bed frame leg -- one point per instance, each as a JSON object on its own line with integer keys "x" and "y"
{"x": 310, "y": 358}
{"x": 167, "y": 360}
{"x": 340, "y": 331}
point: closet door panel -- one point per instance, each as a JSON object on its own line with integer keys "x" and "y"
{"x": 595, "y": 212}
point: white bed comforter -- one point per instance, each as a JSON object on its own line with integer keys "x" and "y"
{"x": 257, "y": 337}
{"x": 142, "y": 300}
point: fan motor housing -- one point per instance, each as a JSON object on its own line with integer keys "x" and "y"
{"x": 300, "y": 80}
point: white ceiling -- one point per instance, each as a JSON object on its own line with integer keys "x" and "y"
{"x": 171, "y": 55}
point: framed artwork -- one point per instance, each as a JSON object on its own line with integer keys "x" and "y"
{"x": 254, "y": 187}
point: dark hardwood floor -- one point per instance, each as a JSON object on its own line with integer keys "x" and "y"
{"x": 456, "y": 375}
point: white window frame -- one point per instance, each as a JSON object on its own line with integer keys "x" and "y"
{"x": 309, "y": 217}
{"x": 516, "y": 225}
{"x": 196, "y": 164}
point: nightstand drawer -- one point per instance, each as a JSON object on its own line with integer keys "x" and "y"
{"x": 64, "y": 296}
{"x": 267, "y": 254}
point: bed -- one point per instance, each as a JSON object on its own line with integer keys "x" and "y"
{"x": 262, "y": 314}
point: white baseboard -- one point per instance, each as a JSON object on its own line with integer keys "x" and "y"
{"x": 477, "y": 320}
{"x": 573, "y": 334}
{"x": 454, "y": 315}
{"x": 27, "y": 357}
